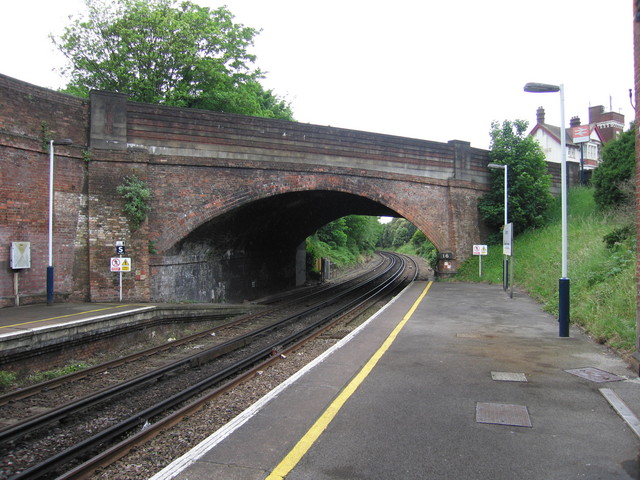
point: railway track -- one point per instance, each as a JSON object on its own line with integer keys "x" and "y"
{"x": 165, "y": 395}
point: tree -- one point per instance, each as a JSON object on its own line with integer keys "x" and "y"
{"x": 529, "y": 183}
{"x": 159, "y": 51}
{"x": 396, "y": 233}
{"x": 612, "y": 180}
{"x": 345, "y": 240}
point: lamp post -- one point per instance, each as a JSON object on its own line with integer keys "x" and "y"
{"x": 65, "y": 141}
{"x": 564, "y": 283}
{"x": 505, "y": 280}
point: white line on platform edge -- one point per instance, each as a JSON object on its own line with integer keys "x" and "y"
{"x": 622, "y": 409}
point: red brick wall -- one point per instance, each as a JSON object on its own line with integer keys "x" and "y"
{"x": 108, "y": 224}
{"x": 30, "y": 116}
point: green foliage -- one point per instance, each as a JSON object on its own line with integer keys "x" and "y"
{"x": 164, "y": 51}
{"x": 56, "y": 373}
{"x": 601, "y": 268}
{"x": 424, "y": 248}
{"x": 396, "y": 233}
{"x": 345, "y": 240}
{"x": 620, "y": 236}
{"x": 528, "y": 180}
{"x": 137, "y": 197}
{"x": 612, "y": 179}
{"x": 7, "y": 379}
{"x": 46, "y": 135}
{"x": 152, "y": 247}
{"x": 403, "y": 236}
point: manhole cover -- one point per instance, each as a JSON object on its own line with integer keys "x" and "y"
{"x": 508, "y": 377}
{"x": 501, "y": 414}
{"x": 595, "y": 375}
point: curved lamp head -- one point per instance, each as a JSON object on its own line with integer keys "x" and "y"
{"x": 534, "y": 87}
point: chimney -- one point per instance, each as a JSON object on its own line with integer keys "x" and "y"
{"x": 574, "y": 122}
{"x": 595, "y": 113}
{"x": 540, "y": 115}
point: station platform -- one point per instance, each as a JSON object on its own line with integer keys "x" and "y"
{"x": 30, "y": 328}
{"x": 448, "y": 381}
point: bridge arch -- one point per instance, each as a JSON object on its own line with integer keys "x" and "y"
{"x": 204, "y": 168}
{"x": 421, "y": 204}
{"x": 261, "y": 236}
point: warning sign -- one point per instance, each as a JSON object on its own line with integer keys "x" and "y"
{"x": 120, "y": 264}
{"x": 480, "y": 250}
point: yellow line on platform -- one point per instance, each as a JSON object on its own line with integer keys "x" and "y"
{"x": 306, "y": 442}
{"x": 64, "y": 316}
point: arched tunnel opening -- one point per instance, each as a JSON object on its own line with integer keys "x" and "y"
{"x": 254, "y": 250}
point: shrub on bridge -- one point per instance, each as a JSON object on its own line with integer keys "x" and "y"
{"x": 137, "y": 197}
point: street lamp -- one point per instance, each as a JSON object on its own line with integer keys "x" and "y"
{"x": 65, "y": 141}
{"x": 564, "y": 284}
{"x": 505, "y": 280}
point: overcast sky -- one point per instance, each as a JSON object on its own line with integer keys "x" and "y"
{"x": 430, "y": 69}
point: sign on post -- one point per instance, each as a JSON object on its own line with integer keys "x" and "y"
{"x": 120, "y": 248}
{"x": 581, "y": 133}
{"x": 480, "y": 250}
{"x": 507, "y": 239}
{"x": 120, "y": 264}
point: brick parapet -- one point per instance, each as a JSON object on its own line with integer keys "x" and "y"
{"x": 174, "y": 132}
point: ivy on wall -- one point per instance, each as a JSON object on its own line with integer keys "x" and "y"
{"x": 137, "y": 196}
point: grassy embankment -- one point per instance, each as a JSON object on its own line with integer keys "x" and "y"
{"x": 603, "y": 282}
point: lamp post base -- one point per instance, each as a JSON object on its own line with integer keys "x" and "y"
{"x": 563, "y": 307}
{"x": 50, "y": 285}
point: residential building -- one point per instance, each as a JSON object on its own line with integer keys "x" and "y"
{"x": 601, "y": 128}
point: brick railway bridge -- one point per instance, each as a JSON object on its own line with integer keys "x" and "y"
{"x": 234, "y": 197}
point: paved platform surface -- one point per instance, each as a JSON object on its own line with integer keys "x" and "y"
{"x": 29, "y": 317}
{"x": 442, "y": 402}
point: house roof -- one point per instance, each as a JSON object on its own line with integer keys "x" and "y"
{"x": 554, "y": 132}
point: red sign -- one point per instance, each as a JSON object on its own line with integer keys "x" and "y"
{"x": 581, "y": 133}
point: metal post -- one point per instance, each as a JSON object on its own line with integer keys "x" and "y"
{"x": 50, "y": 265}
{"x": 581, "y": 163}
{"x": 505, "y": 262}
{"x": 505, "y": 268}
{"x": 506, "y": 196}
{"x": 563, "y": 307}
{"x": 564, "y": 283}
{"x": 563, "y": 317}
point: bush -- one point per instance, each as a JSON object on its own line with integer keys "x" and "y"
{"x": 611, "y": 179}
{"x": 6, "y": 379}
{"x": 137, "y": 197}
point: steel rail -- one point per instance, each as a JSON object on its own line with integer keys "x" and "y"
{"x": 291, "y": 299}
{"x": 13, "y": 432}
{"x": 111, "y": 455}
{"x": 141, "y": 418}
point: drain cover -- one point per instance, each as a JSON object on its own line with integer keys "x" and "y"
{"x": 508, "y": 377}
{"x": 595, "y": 375}
{"x": 500, "y": 414}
